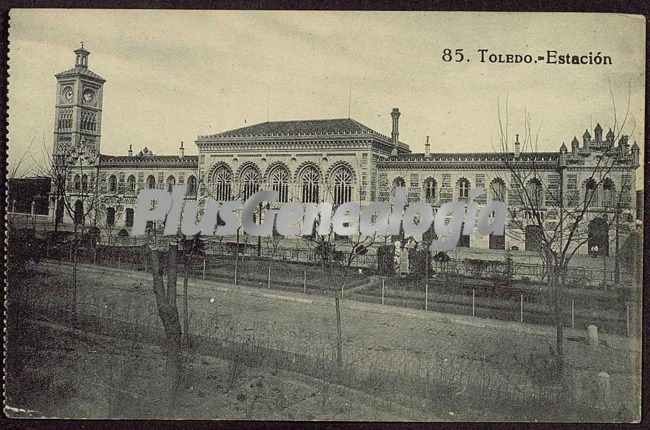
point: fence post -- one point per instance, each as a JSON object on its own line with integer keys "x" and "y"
{"x": 339, "y": 342}
{"x": 627, "y": 319}
{"x": 573, "y": 314}
{"x": 203, "y": 267}
{"x": 521, "y": 309}
{"x": 426, "y": 297}
{"x": 268, "y": 283}
{"x": 304, "y": 282}
{"x": 236, "y": 260}
{"x": 383, "y": 287}
{"x": 473, "y": 301}
{"x": 119, "y": 259}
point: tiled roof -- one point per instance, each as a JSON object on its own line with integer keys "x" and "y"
{"x": 191, "y": 161}
{"x": 299, "y": 128}
{"x": 80, "y": 71}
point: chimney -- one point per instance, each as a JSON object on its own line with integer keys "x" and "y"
{"x": 181, "y": 150}
{"x": 427, "y": 147}
{"x": 517, "y": 145}
{"x": 395, "y": 134}
{"x": 130, "y": 150}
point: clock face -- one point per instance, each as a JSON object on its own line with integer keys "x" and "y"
{"x": 67, "y": 93}
{"x": 89, "y": 95}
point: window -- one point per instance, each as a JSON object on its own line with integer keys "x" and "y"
{"x": 112, "y": 183}
{"x": 151, "y": 182}
{"x": 430, "y": 188}
{"x": 171, "y": 181}
{"x": 250, "y": 181}
{"x": 463, "y": 189}
{"x": 110, "y": 217}
{"x": 279, "y": 179}
{"x": 310, "y": 178}
{"x": 84, "y": 182}
{"x": 130, "y": 184}
{"x": 608, "y": 193}
{"x": 222, "y": 182}
{"x": 399, "y": 182}
{"x": 535, "y": 193}
{"x": 343, "y": 179}
{"x": 191, "y": 185}
{"x": 497, "y": 190}
{"x": 77, "y": 182}
{"x": 591, "y": 193}
{"x": 129, "y": 217}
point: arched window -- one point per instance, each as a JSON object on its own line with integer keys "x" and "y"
{"x": 222, "y": 182}
{"x": 463, "y": 189}
{"x": 343, "y": 180}
{"x": 151, "y": 182}
{"x": 591, "y": 192}
{"x": 497, "y": 190}
{"x": 608, "y": 192}
{"x": 171, "y": 181}
{"x": 430, "y": 189}
{"x": 310, "y": 178}
{"x": 250, "y": 181}
{"x": 112, "y": 183}
{"x": 535, "y": 193}
{"x": 130, "y": 184}
{"x": 77, "y": 182}
{"x": 84, "y": 182}
{"x": 110, "y": 217}
{"x": 279, "y": 179}
{"x": 399, "y": 182}
{"x": 191, "y": 185}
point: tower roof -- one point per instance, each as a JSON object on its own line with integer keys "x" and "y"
{"x": 80, "y": 71}
{"x": 587, "y": 135}
{"x": 598, "y": 128}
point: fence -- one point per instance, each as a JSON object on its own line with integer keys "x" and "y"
{"x": 530, "y": 305}
{"x": 609, "y": 310}
{"x": 434, "y": 376}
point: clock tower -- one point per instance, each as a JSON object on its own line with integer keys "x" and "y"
{"x": 78, "y": 112}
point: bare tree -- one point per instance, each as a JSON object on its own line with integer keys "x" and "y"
{"x": 545, "y": 210}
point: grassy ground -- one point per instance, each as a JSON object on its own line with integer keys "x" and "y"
{"x": 371, "y": 338}
{"x": 58, "y": 372}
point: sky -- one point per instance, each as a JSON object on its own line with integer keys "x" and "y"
{"x": 174, "y": 75}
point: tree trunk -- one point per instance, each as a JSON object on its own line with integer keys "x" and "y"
{"x": 168, "y": 312}
{"x": 186, "y": 317}
{"x": 557, "y": 287}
